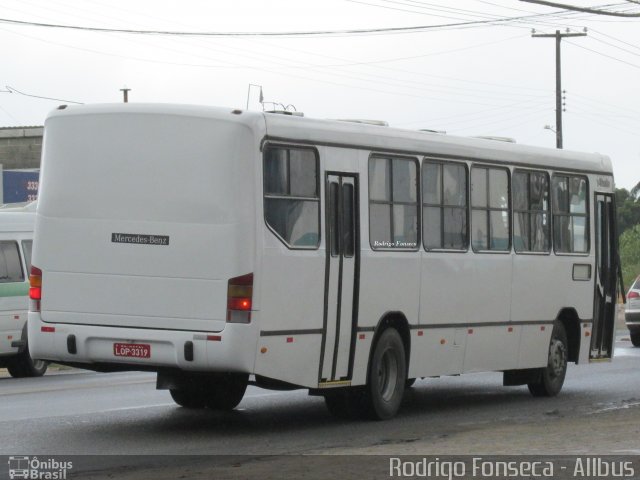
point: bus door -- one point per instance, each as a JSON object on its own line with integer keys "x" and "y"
{"x": 604, "y": 310}
{"x": 341, "y": 278}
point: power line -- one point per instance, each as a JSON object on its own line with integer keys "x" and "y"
{"x": 606, "y": 104}
{"x": 604, "y": 55}
{"x": 637, "y": 54}
{"x": 583, "y": 9}
{"x": 369, "y": 78}
{"x": 316, "y": 33}
{"x": 6, "y": 112}
{"x": 13, "y": 90}
{"x": 598, "y": 119}
{"x": 418, "y": 28}
{"x": 614, "y": 38}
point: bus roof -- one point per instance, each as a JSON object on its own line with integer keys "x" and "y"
{"x": 415, "y": 142}
{"x": 376, "y": 138}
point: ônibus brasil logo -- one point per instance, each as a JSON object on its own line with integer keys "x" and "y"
{"x": 33, "y": 468}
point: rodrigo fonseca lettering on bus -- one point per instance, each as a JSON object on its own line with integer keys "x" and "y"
{"x": 589, "y": 467}
{"x": 396, "y": 244}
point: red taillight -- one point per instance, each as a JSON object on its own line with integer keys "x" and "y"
{"x": 35, "y": 288}
{"x": 633, "y": 295}
{"x": 239, "y": 299}
{"x": 243, "y": 304}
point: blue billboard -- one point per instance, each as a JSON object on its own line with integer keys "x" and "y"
{"x": 20, "y": 185}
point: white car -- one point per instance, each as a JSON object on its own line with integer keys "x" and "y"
{"x": 632, "y": 312}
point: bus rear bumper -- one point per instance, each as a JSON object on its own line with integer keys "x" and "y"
{"x": 104, "y": 348}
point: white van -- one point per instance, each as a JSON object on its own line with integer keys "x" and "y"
{"x": 16, "y": 238}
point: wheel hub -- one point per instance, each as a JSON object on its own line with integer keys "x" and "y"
{"x": 557, "y": 358}
{"x": 387, "y": 375}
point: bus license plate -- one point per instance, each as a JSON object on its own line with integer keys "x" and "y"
{"x": 133, "y": 350}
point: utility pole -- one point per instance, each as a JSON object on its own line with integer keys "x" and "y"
{"x": 558, "y": 36}
{"x": 125, "y": 93}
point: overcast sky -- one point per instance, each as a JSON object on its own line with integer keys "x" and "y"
{"x": 480, "y": 79}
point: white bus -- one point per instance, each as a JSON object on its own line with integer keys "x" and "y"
{"x": 218, "y": 247}
{"x": 16, "y": 238}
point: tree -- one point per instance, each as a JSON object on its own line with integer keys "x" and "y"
{"x": 629, "y": 248}
{"x": 628, "y": 206}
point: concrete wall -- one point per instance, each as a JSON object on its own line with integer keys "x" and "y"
{"x": 20, "y": 147}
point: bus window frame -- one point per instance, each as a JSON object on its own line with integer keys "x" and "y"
{"x": 467, "y": 207}
{"x": 549, "y": 212}
{"x": 418, "y": 203}
{"x": 509, "y": 210}
{"x": 318, "y": 199}
{"x": 587, "y": 215}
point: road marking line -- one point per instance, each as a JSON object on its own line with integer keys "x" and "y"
{"x": 119, "y": 409}
{"x": 75, "y": 387}
{"x": 617, "y": 407}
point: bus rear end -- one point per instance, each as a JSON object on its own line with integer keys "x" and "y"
{"x": 145, "y": 240}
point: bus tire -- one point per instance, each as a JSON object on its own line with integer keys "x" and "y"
{"x": 387, "y": 376}
{"x": 635, "y": 339}
{"x": 188, "y": 397}
{"x": 22, "y": 366}
{"x": 226, "y": 391}
{"x": 551, "y": 378}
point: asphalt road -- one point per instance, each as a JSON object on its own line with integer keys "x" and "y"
{"x": 77, "y": 412}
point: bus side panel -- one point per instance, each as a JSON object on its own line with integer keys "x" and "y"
{"x": 291, "y": 301}
{"x": 468, "y": 289}
{"x": 290, "y": 358}
{"x": 436, "y": 351}
{"x": 542, "y": 287}
{"x": 389, "y": 282}
{"x": 534, "y": 346}
{"x": 491, "y": 348}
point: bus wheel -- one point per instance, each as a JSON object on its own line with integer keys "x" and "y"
{"x": 23, "y": 365}
{"x": 387, "y": 376}
{"x": 635, "y": 339}
{"x": 188, "y": 397}
{"x": 227, "y": 391}
{"x": 551, "y": 377}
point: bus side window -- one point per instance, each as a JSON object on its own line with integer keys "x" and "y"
{"x": 444, "y": 203}
{"x": 27, "y": 246}
{"x": 490, "y": 207}
{"x": 10, "y": 266}
{"x": 531, "y": 224}
{"x": 291, "y": 196}
{"x": 393, "y": 203}
{"x": 570, "y": 214}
